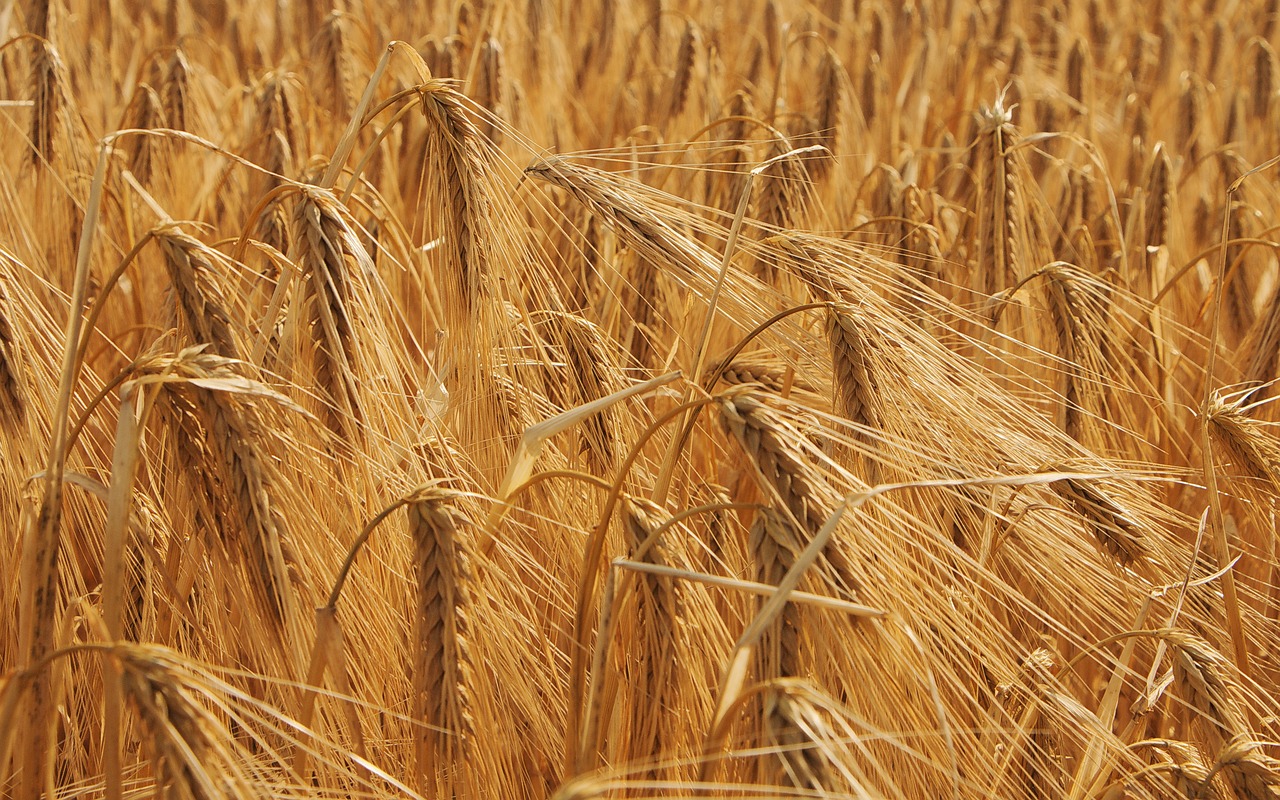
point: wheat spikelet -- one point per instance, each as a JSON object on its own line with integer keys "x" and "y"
{"x": 1113, "y": 526}
{"x": 1078, "y": 305}
{"x": 591, "y": 361}
{"x": 188, "y": 748}
{"x": 439, "y": 530}
{"x": 785, "y": 197}
{"x": 179, "y": 99}
{"x": 1035, "y": 742}
{"x": 488, "y": 92}
{"x": 772, "y": 374}
{"x": 1264, "y": 348}
{"x": 1079, "y": 65}
{"x": 827, "y": 121}
{"x": 1158, "y": 211}
{"x": 1249, "y": 771}
{"x": 1263, "y": 88}
{"x": 853, "y": 378}
{"x": 1233, "y": 131}
{"x": 872, "y": 91}
{"x": 51, "y": 133}
{"x": 795, "y": 731}
{"x": 1190, "y": 115}
{"x": 654, "y": 650}
{"x": 1078, "y": 214}
{"x": 600, "y": 44}
{"x": 806, "y": 258}
{"x": 643, "y": 228}
{"x": 739, "y": 371}
{"x": 1189, "y": 776}
{"x": 1006, "y": 222}
{"x": 770, "y": 443}
{"x": 441, "y": 57}
{"x": 1238, "y": 312}
{"x": 855, "y": 385}
{"x": 334, "y": 64}
{"x": 277, "y": 138}
{"x": 774, "y": 544}
{"x": 682, "y": 77}
{"x": 198, "y": 302}
{"x": 877, "y": 31}
{"x": 144, "y": 111}
{"x": 1244, "y": 440}
{"x": 922, "y": 254}
{"x": 461, "y": 205}
{"x": 1202, "y": 677}
{"x": 656, "y": 242}
{"x": 222, "y": 432}
{"x": 273, "y": 229}
{"x": 330, "y": 259}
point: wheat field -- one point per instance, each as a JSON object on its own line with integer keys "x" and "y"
{"x": 534, "y": 399}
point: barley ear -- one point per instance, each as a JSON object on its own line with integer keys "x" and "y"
{"x": 442, "y": 667}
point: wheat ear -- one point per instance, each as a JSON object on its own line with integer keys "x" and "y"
{"x": 442, "y": 665}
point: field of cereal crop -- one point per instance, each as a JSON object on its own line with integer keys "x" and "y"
{"x": 529, "y": 399}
